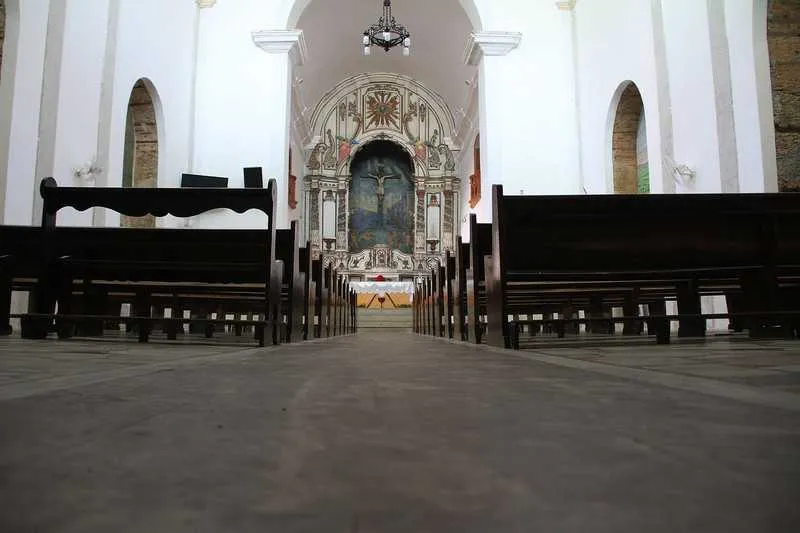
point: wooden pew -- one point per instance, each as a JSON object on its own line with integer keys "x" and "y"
{"x": 309, "y": 291}
{"x": 180, "y": 264}
{"x": 287, "y": 250}
{"x": 460, "y": 289}
{"x": 24, "y": 263}
{"x": 655, "y": 246}
{"x": 450, "y": 277}
{"x": 480, "y": 246}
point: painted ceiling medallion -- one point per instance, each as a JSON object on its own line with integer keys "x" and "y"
{"x": 383, "y": 110}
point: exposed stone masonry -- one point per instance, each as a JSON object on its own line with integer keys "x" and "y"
{"x": 145, "y": 145}
{"x": 626, "y": 127}
{"x": 783, "y": 30}
{"x": 2, "y": 28}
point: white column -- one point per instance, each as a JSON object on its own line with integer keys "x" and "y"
{"x": 20, "y": 107}
{"x": 68, "y": 131}
{"x": 286, "y": 50}
{"x": 487, "y": 50}
{"x": 572, "y": 77}
{"x": 699, "y": 74}
{"x": 752, "y": 95}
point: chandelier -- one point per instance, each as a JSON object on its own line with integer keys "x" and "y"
{"x": 386, "y": 33}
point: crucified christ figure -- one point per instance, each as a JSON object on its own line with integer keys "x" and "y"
{"x": 379, "y": 178}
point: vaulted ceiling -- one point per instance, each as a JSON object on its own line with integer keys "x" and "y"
{"x": 439, "y": 33}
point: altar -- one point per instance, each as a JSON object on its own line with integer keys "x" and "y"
{"x": 381, "y": 192}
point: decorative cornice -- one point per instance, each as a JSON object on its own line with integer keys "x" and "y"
{"x": 566, "y": 5}
{"x": 205, "y": 3}
{"x": 290, "y": 42}
{"x": 490, "y": 43}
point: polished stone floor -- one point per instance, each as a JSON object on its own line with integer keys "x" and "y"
{"x": 389, "y": 432}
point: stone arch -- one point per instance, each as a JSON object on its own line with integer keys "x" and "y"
{"x": 293, "y": 10}
{"x": 629, "y": 162}
{"x": 783, "y": 19}
{"x": 141, "y": 152}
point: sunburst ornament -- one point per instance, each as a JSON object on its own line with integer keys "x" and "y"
{"x": 386, "y": 33}
{"x": 383, "y": 110}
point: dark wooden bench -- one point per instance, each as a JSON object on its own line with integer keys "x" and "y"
{"x": 234, "y": 268}
{"x": 628, "y": 250}
{"x": 480, "y": 245}
{"x": 24, "y": 262}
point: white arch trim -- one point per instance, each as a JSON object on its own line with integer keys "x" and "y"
{"x": 291, "y": 11}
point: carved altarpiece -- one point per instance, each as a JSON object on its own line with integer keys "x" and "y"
{"x": 385, "y": 107}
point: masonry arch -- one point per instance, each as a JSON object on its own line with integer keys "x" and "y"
{"x": 783, "y": 19}
{"x": 629, "y": 162}
{"x": 141, "y": 148}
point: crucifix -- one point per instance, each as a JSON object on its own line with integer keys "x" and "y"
{"x": 379, "y": 178}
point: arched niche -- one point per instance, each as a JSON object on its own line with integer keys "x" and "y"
{"x": 141, "y": 152}
{"x": 783, "y": 21}
{"x": 630, "y": 165}
{"x": 381, "y": 198}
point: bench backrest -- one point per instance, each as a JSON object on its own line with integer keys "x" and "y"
{"x": 480, "y": 245}
{"x": 608, "y": 232}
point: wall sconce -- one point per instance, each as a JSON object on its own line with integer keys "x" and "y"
{"x": 87, "y": 172}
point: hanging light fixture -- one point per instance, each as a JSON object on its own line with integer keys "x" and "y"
{"x": 386, "y": 33}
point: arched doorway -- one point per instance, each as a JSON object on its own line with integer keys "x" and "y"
{"x": 629, "y": 143}
{"x": 140, "y": 159}
{"x": 783, "y": 19}
{"x": 382, "y": 198}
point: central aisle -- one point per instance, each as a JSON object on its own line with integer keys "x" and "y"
{"x": 389, "y": 432}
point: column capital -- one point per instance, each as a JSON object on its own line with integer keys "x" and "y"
{"x": 205, "y": 3}
{"x": 490, "y": 43}
{"x": 290, "y": 42}
{"x": 566, "y": 5}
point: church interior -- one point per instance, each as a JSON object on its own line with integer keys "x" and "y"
{"x": 399, "y": 265}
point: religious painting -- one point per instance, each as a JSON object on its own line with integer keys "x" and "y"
{"x": 383, "y": 110}
{"x": 381, "y": 199}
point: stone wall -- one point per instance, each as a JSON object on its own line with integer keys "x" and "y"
{"x": 2, "y": 28}
{"x": 145, "y": 146}
{"x": 783, "y": 30}
{"x": 626, "y": 127}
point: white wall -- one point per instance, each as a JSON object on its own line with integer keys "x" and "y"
{"x": 617, "y": 42}
{"x": 694, "y": 62}
{"x": 77, "y": 113}
{"x": 526, "y": 104}
{"x": 243, "y": 99}
{"x": 155, "y": 41}
{"x": 20, "y": 101}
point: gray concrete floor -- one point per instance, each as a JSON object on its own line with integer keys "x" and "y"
{"x": 389, "y": 432}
